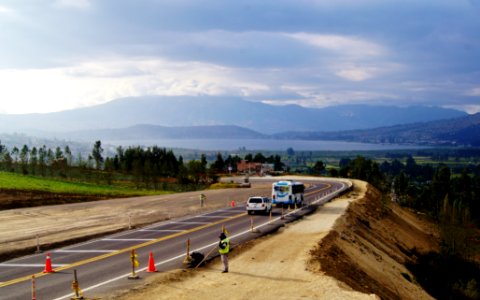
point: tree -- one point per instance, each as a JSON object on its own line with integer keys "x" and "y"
{"x": 24, "y": 156}
{"x": 218, "y": 165}
{"x": 97, "y": 153}
{"x": 440, "y": 188}
{"x": 33, "y": 160}
{"x": 290, "y": 151}
{"x": 319, "y": 167}
{"x": 259, "y": 158}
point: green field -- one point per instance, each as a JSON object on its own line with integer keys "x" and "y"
{"x": 12, "y": 181}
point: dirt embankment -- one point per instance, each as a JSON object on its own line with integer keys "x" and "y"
{"x": 371, "y": 244}
{"x": 352, "y": 248}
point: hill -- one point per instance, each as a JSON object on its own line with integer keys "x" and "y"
{"x": 464, "y": 131}
{"x": 183, "y": 111}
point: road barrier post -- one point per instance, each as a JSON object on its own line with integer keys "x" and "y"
{"x": 78, "y": 294}
{"x": 38, "y": 244}
{"x": 251, "y": 224}
{"x": 188, "y": 258}
{"x": 270, "y": 217}
{"x": 34, "y": 292}
{"x": 129, "y": 221}
{"x": 134, "y": 261}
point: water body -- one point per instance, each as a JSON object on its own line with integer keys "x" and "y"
{"x": 258, "y": 144}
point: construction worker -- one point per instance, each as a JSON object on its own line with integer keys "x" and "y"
{"x": 223, "y": 249}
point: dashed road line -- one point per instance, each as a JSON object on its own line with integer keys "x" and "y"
{"x": 30, "y": 265}
{"x": 82, "y": 251}
{"x": 162, "y": 230}
{"x": 127, "y": 240}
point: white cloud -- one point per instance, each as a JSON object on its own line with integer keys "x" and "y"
{"x": 94, "y": 82}
{"x": 74, "y": 3}
{"x": 346, "y": 45}
{"x": 354, "y": 74}
{"x": 7, "y": 12}
{"x": 475, "y": 92}
{"x": 318, "y": 96}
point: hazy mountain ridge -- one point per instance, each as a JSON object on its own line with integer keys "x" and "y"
{"x": 451, "y": 132}
{"x": 183, "y": 111}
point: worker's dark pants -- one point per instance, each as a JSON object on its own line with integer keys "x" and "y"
{"x": 224, "y": 261}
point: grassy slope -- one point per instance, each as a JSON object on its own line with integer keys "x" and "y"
{"x": 11, "y": 181}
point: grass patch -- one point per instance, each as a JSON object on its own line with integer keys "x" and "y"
{"x": 222, "y": 185}
{"x": 12, "y": 181}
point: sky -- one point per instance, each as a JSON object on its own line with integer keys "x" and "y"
{"x": 65, "y": 54}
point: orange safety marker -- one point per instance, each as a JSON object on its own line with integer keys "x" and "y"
{"x": 232, "y": 203}
{"x": 151, "y": 264}
{"x": 48, "y": 264}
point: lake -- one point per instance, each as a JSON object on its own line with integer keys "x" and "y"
{"x": 259, "y": 144}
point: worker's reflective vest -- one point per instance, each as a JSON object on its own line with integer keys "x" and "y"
{"x": 224, "y": 246}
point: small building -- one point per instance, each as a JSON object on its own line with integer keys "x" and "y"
{"x": 254, "y": 167}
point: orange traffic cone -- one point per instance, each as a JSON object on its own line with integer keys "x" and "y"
{"x": 233, "y": 203}
{"x": 48, "y": 264}
{"x": 151, "y": 264}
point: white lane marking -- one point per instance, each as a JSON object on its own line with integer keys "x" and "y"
{"x": 127, "y": 240}
{"x": 162, "y": 230}
{"x": 193, "y": 223}
{"x": 30, "y": 265}
{"x": 83, "y": 251}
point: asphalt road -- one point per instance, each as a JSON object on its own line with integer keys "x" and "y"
{"x": 104, "y": 264}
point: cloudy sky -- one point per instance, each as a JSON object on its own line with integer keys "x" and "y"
{"x": 57, "y": 55}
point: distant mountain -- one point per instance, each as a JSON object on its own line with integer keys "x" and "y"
{"x": 463, "y": 131}
{"x": 207, "y": 111}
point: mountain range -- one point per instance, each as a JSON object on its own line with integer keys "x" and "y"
{"x": 185, "y": 111}
{"x": 462, "y": 131}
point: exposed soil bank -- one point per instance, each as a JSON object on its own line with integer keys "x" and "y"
{"x": 371, "y": 244}
{"x": 11, "y": 199}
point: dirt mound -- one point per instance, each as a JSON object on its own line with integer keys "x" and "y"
{"x": 370, "y": 245}
{"x": 10, "y": 198}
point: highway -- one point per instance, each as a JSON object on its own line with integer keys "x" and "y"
{"x": 104, "y": 264}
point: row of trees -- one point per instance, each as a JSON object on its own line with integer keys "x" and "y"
{"x": 451, "y": 198}
{"x": 151, "y": 167}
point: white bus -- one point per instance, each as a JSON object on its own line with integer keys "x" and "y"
{"x": 287, "y": 193}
